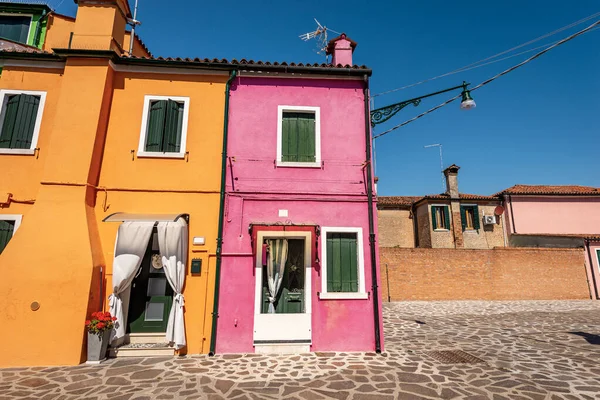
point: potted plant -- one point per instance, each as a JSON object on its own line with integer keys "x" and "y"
{"x": 98, "y": 328}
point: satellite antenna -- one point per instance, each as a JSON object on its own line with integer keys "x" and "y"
{"x": 320, "y": 35}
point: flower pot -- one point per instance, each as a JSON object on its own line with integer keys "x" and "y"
{"x": 97, "y": 346}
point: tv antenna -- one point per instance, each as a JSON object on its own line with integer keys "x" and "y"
{"x": 320, "y": 36}
{"x": 441, "y": 161}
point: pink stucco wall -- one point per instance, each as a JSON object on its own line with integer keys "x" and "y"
{"x": 333, "y": 195}
{"x": 554, "y": 215}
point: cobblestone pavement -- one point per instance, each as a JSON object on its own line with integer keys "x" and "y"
{"x": 507, "y": 350}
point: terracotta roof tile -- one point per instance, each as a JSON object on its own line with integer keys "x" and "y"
{"x": 572, "y": 190}
{"x": 397, "y": 201}
{"x": 10, "y": 46}
{"x": 462, "y": 196}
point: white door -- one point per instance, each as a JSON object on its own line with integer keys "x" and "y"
{"x": 290, "y": 323}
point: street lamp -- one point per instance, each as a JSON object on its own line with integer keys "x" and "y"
{"x": 382, "y": 114}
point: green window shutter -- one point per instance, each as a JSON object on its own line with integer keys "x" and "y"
{"x": 463, "y": 218}
{"x": 298, "y": 137}
{"x": 289, "y": 137}
{"x": 20, "y": 116}
{"x": 173, "y": 124}
{"x": 342, "y": 262}
{"x": 156, "y": 124}
{"x": 476, "y": 222}
{"x": 433, "y": 218}
{"x": 6, "y": 231}
{"x": 447, "y": 216}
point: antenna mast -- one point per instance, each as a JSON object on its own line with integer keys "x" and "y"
{"x": 133, "y": 22}
{"x": 320, "y": 35}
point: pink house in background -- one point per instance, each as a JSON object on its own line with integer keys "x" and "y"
{"x": 556, "y": 216}
{"x": 298, "y": 271}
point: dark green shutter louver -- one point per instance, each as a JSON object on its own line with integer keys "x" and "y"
{"x": 6, "y": 231}
{"x": 447, "y": 216}
{"x": 298, "y": 137}
{"x": 165, "y": 124}
{"x": 20, "y": 114}
{"x": 463, "y": 218}
{"x": 476, "y": 222}
{"x": 434, "y": 217}
{"x": 14, "y": 27}
{"x": 342, "y": 262}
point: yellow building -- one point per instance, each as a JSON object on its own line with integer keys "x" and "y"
{"x": 95, "y": 141}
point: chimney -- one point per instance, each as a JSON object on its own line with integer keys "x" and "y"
{"x": 341, "y": 49}
{"x": 100, "y": 25}
{"x": 451, "y": 174}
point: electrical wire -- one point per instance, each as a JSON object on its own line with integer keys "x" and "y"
{"x": 475, "y": 64}
{"x": 560, "y": 42}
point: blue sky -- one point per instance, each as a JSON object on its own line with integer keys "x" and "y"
{"x": 537, "y": 125}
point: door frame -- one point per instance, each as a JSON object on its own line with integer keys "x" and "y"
{"x": 283, "y": 328}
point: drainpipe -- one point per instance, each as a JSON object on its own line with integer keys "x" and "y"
{"x": 371, "y": 218}
{"x": 589, "y": 253}
{"x": 215, "y": 313}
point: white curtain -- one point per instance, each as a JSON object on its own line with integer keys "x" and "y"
{"x": 132, "y": 242}
{"x": 278, "y": 249}
{"x": 173, "y": 243}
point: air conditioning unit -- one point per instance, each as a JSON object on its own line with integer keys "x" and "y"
{"x": 489, "y": 219}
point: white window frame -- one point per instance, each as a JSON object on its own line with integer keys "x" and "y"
{"x": 362, "y": 293}
{"x": 184, "y": 127}
{"x": 22, "y": 15}
{"x": 449, "y": 217}
{"x": 38, "y": 119}
{"x": 303, "y": 109}
{"x": 12, "y": 217}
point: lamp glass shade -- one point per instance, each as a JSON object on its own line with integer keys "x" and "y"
{"x": 467, "y": 101}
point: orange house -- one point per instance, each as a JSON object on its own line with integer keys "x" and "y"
{"x": 110, "y": 190}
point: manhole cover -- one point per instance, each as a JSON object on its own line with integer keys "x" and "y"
{"x": 454, "y": 357}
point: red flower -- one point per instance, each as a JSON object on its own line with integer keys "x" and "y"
{"x": 100, "y": 325}
{"x": 114, "y": 318}
{"x": 88, "y": 322}
{"x": 107, "y": 314}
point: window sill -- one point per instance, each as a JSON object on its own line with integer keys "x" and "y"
{"x": 284, "y": 164}
{"x": 343, "y": 296}
{"x": 441, "y": 230}
{"x": 22, "y": 152}
{"x": 149, "y": 154}
{"x": 471, "y": 231}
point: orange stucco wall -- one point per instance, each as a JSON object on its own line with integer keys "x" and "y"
{"x": 155, "y": 185}
{"x": 58, "y": 33}
{"x": 61, "y": 256}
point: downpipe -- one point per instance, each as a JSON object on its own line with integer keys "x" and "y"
{"x": 375, "y": 289}
{"x": 215, "y": 313}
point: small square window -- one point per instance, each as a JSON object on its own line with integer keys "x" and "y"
{"x": 343, "y": 275}
{"x": 440, "y": 218}
{"x": 164, "y": 127}
{"x": 470, "y": 218}
{"x": 298, "y": 137}
{"x": 20, "y": 120}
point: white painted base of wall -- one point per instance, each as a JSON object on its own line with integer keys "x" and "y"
{"x": 284, "y": 348}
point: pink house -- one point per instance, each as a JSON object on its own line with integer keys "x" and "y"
{"x": 557, "y": 216}
{"x": 298, "y": 269}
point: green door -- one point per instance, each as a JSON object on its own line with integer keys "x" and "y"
{"x": 290, "y": 298}
{"x": 151, "y": 294}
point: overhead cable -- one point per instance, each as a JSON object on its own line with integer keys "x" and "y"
{"x": 476, "y": 64}
{"x": 571, "y": 37}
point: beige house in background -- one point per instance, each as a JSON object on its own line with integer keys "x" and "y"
{"x": 447, "y": 220}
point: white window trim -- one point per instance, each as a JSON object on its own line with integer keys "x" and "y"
{"x": 22, "y": 15}
{"x": 184, "y": 127}
{"x": 306, "y": 109}
{"x": 12, "y": 217}
{"x": 449, "y": 216}
{"x": 38, "y": 120}
{"x": 362, "y": 293}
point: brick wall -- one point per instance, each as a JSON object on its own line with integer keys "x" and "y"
{"x": 498, "y": 274}
{"x": 395, "y": 228}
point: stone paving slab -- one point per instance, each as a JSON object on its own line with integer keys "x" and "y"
{"x": 520, "y": 350}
